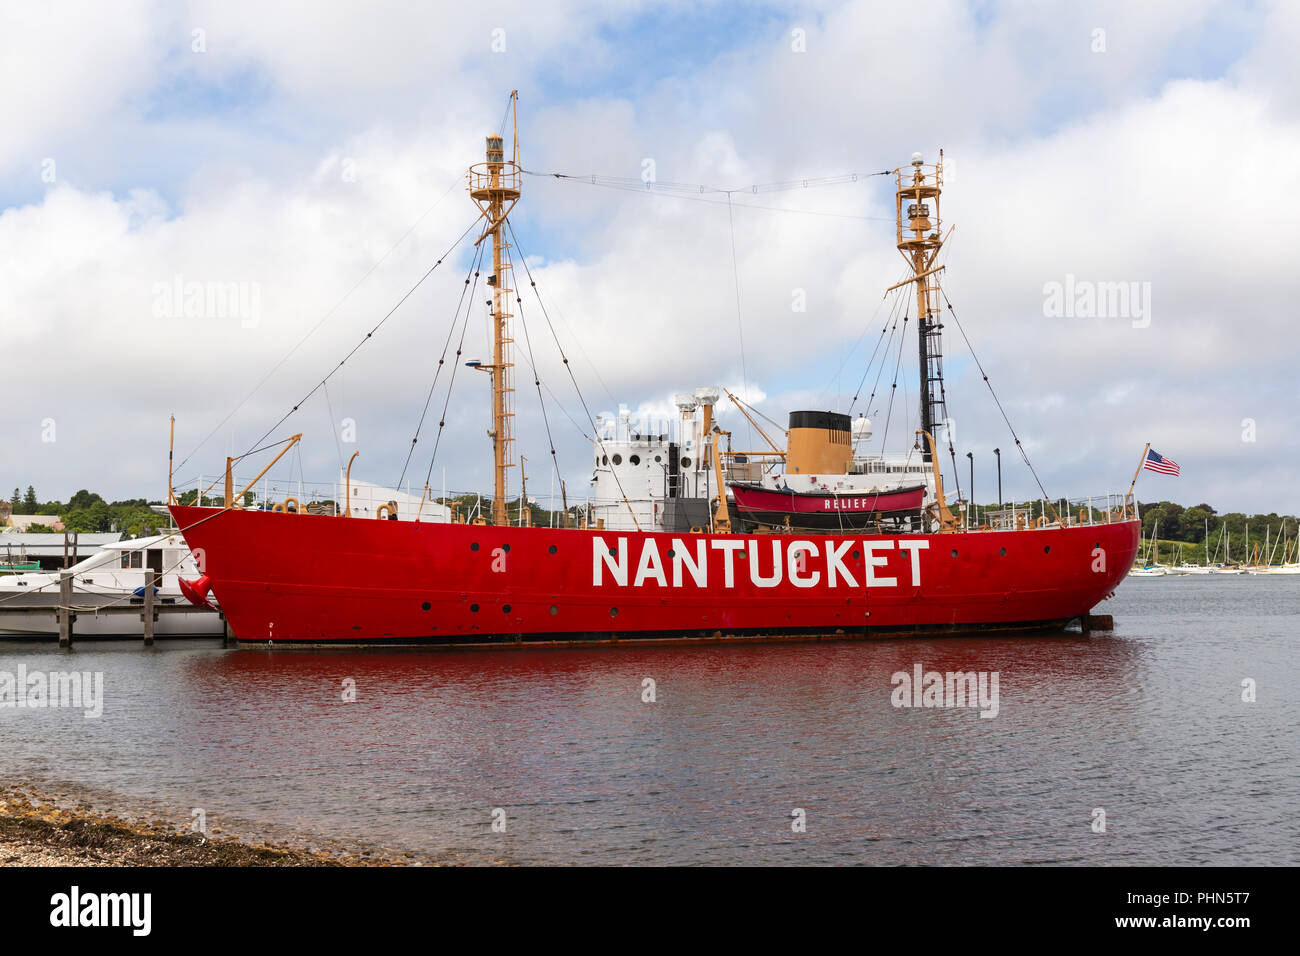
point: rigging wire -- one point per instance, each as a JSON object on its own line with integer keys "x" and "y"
{"x": 537, "y": 380}
{"x": 893, "y": 314}
{"x": 451, "y": 383}
{"x": 451, "y": 330}
{"x": 368, "y": 335}
{"x": 893, "y": 389}
{"x": 848, "y": 353}
{"x": 718, "y": 202}
{"x": 884, "y": 357}
{"x": 334, "y": 429}
{"x": 740, "y": 325}
{"x": 668, "y": 187}
{"x": 523, "y": 257}
{"x": 1019, "y": 447}
{"x": 312, "y": 331}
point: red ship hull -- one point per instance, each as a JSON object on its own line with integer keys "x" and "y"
{"x": 315, "y": 579}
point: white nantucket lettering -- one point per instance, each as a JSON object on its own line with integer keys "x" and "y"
{"x": 601, "y": 559}
{"x": 774, "y": 578}
{"x": 798, "y": 554}
{"x": 729, "y": 549}
{"x": 649, "y": 566}
{"x": 698, "y": 569}
{"x": 874, "y": 561}
{"x": 916, "y": 546}
{"x": 801, "y": 563}
{"x": 835, "y": 564}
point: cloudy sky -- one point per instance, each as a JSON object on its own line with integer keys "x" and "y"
{"x": 312, "y": 156}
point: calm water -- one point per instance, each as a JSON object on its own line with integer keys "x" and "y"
{"x": 1147, "y": 724}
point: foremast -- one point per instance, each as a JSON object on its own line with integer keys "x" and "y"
{"x": 494, "y": 187}
{"x": 919, "y": 242}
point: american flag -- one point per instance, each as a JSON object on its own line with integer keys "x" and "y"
{"x": 1157, "y": 462}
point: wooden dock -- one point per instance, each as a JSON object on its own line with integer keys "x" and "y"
{"x": 147, "y": 609}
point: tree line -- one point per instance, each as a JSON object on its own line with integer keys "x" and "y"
{"x": 89, "y": 513}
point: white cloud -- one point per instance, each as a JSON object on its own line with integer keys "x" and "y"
{"x": 1068, "y": 162}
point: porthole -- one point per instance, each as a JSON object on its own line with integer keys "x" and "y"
{"x": 672, "y": 553}
{"x": 551, "y": 549}
{"x": 658, "y": 458}
{"x": 474, "y": 546}
{"x": 954, "y": 552}
{"x": 613, "y": 552}
{"x": 554, "y": 609}
{"x": 425, "y": 606}
{"x": 604, "y": 459}
{"x": 618, "y": 459}
{"x": 505, "y": 608}
{"x": 686, "y": 463}
{"x": 506, "y": 547}
{"x": 1003, "y": 552}
{"x": 1047, "y": 549}
{"x": 613, "y": 612}
{"x": 473, "y": 608}
{"x": 858, "y": 554}
{"x": 635, "y": 460}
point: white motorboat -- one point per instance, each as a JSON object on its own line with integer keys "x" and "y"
{"x": 114, "y": 576}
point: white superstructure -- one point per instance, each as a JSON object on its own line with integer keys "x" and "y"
{"x": 659, "y": 475}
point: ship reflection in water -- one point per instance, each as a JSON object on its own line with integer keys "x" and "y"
{"x": 1147, "y": 724}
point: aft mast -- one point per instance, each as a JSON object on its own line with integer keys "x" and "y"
{"x": 494, "y": 187}
{"x": 919, "y": 243}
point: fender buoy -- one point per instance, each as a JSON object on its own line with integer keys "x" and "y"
{"x": 196, "y": 592}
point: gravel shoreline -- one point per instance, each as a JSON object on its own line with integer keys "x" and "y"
{"x": 36, "y": 830}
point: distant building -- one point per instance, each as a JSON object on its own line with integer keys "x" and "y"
{"x": 21, "y": 523}
{"x": 49, "y": 550}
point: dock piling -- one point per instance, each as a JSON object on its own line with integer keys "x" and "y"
{"x": 66, "y": 616}
{"x": 150, "y": 615}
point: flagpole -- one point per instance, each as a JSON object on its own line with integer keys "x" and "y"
{"x": 1135, "y": 479}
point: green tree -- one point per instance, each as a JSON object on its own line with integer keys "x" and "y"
{"x": 1194, "y": 524}
{"x": 16, "y": 503}
{"x": 29, "y": 501}
{"x": 83, "y": 499}
{"x": 97, "y": 518}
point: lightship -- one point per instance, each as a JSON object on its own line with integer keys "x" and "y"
{"x": 898, "y": 567}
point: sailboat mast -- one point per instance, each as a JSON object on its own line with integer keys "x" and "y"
{"x": 494, "y": 187}
{"x": 919, "y": 243}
